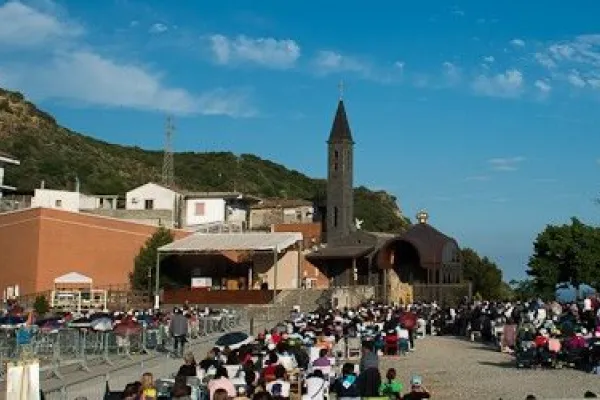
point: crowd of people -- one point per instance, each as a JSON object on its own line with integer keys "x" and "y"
{"x": 308, "y": 355}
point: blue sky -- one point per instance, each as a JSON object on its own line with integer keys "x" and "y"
{"x": 485, "y": 114}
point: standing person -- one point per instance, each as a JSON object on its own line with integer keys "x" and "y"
{"x": 179, "y": 331}
{"x": 369, "y": 379}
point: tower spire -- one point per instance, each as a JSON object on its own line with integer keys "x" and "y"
{"x": 341, "y": 89}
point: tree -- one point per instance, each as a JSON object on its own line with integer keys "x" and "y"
{"x": 524, "y": 289}
{"x": 484, "y": 275}
{"x": 565, "y": 253}
{"x": 145, "y": 261}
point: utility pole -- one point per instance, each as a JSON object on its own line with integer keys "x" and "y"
{"x": 168, "y": 167}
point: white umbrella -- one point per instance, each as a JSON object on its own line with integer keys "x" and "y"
{"x": 102, "y": 324}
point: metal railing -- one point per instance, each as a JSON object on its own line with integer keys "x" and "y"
{"x": 64, "y": 351}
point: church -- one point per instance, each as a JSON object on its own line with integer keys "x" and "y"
{"x": 421, "y": 264}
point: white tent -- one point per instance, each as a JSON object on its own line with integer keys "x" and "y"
{"x": 73, "y": 278}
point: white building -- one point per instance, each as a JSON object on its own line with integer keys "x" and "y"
{"x": 6, "y": 159}
{"x": 152, "y": 197}
{"x": 71, "y": 201}
{"x": 192, "y": 209}
{"x": 216, "y": 207}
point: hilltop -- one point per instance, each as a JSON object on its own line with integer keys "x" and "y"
{"x": 56, "y": 155}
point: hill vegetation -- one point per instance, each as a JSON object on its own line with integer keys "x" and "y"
{"x": 58, "y": 156}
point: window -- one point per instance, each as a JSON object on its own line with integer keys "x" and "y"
{"x": 58, "y": 203}
{"x": 199, "y": 209}
{"x": 335, "y": 217}
{"x": 149, "y": 204}
{"x": 336, "y": 157}
{"x": 299, "y": 215}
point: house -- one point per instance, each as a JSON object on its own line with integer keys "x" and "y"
{"x": 192, "y": 210}
{"x": 73, "y": 201}
{"x": 201, "y": 209}
{"x": 6, "y": 159}
{"x": 269, "y": 212}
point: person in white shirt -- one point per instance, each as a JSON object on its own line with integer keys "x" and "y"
{"x": 280, "y": 387}
{"x": 316, "y": 386}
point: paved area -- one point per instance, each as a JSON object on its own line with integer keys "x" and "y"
{"x": 456, "y": 369}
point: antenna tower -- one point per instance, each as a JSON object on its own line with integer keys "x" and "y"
{"x": 168, "y": 167}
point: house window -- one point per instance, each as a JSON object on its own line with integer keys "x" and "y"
{"x": 149, "y": 204}
{"x": 335, "y": 217}
{"x": 58, "y": 203}
{"x": 299, "y": 215}
{"x": 200, "y": 210}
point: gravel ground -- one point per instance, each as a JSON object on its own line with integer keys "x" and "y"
{"x": 457, "y": 369}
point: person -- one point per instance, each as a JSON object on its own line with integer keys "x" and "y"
{"x": 315, "y": 386}
{"x": 221, "y": 381}
{"x": 131, "y": 392}
{"x": 391, "y": 388}
{"x": 220, "y": 394}
{"x": 179, "y": 331}
{"x": 210, "y": 361}
{"x": 369, "y": 378}
{"x": 189, "y": 366}
{"x": 323, "y": 360}
{"x": 181, "y": 390}
{"x": 148, "y": 388}
{"x": 345, "y": 386}
{"x": 417, "y": 390}
{"x": 280, "y": 387}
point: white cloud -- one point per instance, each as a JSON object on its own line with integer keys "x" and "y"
{"x": 24, "y": 26}
{"x": 158, "y": 28}
{"x": 328, "y": 61}
{"x": 518, "y": 42}
{"x": 576, "y": 80}
{"x": 92, "y": 79}
{"x": 506, "y": 164}
{"x": 268, "y": 52}
{"x": 451, "y": 72}
{"x": 507, "y": 84}
{"x": 543, "y": 86}
{"x": 489, "y": 59}
{"x": 67, "y": 69}
{"x": 575, "y": 61}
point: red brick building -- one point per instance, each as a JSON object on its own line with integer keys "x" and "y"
{"x": 38, "y": 245}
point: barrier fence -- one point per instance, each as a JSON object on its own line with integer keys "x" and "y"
{"x": 65, "y": 350}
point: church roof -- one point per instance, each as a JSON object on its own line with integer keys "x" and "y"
{"x": 340, "y": 131}
{"x": 429, "y": 242}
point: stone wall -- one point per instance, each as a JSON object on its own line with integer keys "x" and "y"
{"x": 352, "y": 296}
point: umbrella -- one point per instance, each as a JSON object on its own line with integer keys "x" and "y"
{"x": 103, "y": 324}
{"x": 567, "y": 293}
{"x": 234, "y": 340}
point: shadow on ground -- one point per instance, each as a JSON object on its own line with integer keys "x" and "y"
{"x": 502, "y": 364}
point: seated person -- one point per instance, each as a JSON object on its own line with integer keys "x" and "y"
{"x": 391, "y": 388}
{"x": 417, "y": 390}
{"x": 221, "y": 381}
{"x": 403, "y": 339}
{"x": 189, "y": 366}
{"x": 315, "y": 385}
{"x": 210, "y": 361}
{"x": 268, "y": 372}
{"x": 576, "y": 342}
{"x": 391, "y": 343}
{"x": 345, "y": 386}
{"x": 323, "y": 360}
{"x": 280, "y": 387}
{"x": 180, "y": 389}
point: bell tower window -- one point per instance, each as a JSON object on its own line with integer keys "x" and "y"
{"x": 335, "y": 217}
{"x": 336, "y": 157}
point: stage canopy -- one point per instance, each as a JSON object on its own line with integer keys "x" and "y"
{"x": 73, "y": 278}
{"x": 218, "y": 242}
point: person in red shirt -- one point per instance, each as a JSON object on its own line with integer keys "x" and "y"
{"x": 268, "y": 372}
{"x": 275, "y": 337}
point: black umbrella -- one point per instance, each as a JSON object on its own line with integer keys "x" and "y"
{"x": 234, "y": 340}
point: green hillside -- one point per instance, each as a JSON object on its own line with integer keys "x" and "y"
{"x": 57, "y": 155}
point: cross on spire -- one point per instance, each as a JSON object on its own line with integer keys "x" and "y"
{"x": 341, "y": 89}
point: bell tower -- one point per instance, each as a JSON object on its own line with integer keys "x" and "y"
{"x": 340, "y": 195}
